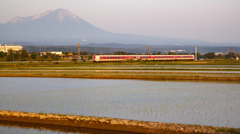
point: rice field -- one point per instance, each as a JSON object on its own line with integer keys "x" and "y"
{"x": 185, "y": 102}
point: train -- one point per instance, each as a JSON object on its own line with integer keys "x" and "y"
{"x": 114, "y": 58}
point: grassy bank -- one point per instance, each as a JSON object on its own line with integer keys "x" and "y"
{"x": 109, "y": 123}
{"x": 123, "y": 75}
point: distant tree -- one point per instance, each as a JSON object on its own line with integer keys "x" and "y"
{"x": 109, "y": 53}
{"x": 221, "y": 56}
{"x": 54, "y": 56}
{"x": 131, "y": 53}
{"x": 24, "y": 54}
{"x": 210, "y": 55}
{"x": 171, "y": 53}
{"x": 84, "y": 53}
{"x": 10, "y": 56}
{"x": 90, "y": 56}
{"x": 198, "y": 55}
{"x": 16, "y": 55}
{"x": 183, "y": 54}
{"x": 47, "y": 55}
{"x": 156, "y": 53}
{"x": 2, "y": 54}
{"x": 120, "y": 53}
{"x": 73, "y": 53}
{"x": 66, "y": 54}
{"x": 33, "y": 55}
{"x": 230, "y": 54}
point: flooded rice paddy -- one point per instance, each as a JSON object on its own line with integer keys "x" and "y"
{"x": 185, "y": 102}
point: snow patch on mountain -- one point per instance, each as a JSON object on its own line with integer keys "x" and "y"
{"x": 41, "y": 14}
{"x": 17, "y": 19}
{"x": 62, "y": 14}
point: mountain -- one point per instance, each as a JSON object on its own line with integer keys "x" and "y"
{"x": 61, "y": 27}
{"x": 51, "y": 25}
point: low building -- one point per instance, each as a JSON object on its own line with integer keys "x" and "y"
{"x": 52, "y": 52}
{"x": 73, "y": 57}
{"x": 55, "y": 52}
{"x": 200, "y": 58}
{"x": 43, "y": 53}
{"x": 5, "y": 48}
{"x": 218, "y": 53}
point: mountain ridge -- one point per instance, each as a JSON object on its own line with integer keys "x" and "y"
{"x": 18, "y": 19}
{"x": 62, "y": 26}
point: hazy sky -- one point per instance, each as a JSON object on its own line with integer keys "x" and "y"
{"x": 209, "y": 20}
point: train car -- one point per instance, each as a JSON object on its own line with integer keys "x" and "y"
{"x": 109, "y": 58}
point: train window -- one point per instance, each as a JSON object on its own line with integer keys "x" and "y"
{"x": 118, "y": 57}
{"x": 146, "y": 57}
{"x": 143, "y": 56}
{"x": 140, "y": 56}
{"x": 110, "y": 57}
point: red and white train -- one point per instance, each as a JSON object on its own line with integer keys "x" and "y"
{"x": 106, "y": 58}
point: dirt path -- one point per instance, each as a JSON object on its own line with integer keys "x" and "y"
{"x": 107, "y": 123}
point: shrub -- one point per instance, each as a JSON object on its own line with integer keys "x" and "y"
{"x": 74, "y": 60}
{"x": 129, "y": 60}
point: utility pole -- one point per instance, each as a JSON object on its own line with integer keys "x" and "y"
{"x": 230, "y": 53}
{"x": 78, "y": 52}
{"x": 195, "y": 53}
{"x": 148, "y": 50}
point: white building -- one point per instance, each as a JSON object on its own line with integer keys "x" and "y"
{"x": 5, "y": 48}
{"x": 57, "y": 53}
{"x": 52, "y": 52}
{"x": 218, "y": 53}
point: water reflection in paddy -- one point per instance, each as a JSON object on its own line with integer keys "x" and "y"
{"x": 7, "y": 127}
{"x": 186, "y": 102}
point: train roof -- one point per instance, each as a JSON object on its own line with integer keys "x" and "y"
{"x": 145, "y": 55}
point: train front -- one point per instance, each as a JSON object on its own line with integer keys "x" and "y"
{"x": 93, "y": 58}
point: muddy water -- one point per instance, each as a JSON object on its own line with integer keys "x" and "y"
{"x": 185, "y": 102}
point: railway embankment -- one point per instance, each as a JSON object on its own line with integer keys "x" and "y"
{"x": 113, "y": 124}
